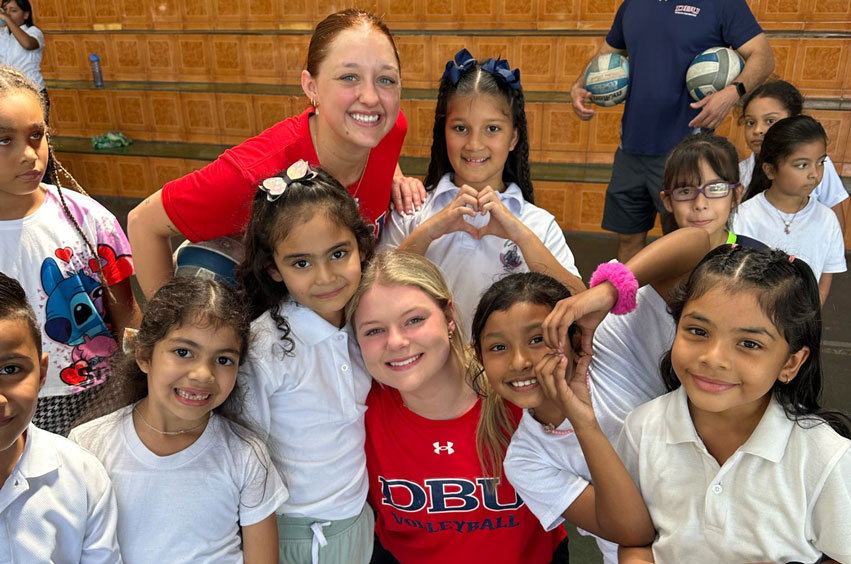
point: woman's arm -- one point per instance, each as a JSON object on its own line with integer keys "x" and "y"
{"x": 407, "y": 194}
{"x": 26, "y": 40}
{"x": 150, "y": 230}
{"x": 260, "y": 542}
{"x": 122, "y": 308}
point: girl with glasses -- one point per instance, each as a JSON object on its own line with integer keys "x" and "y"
{"x": 702, "y": 187}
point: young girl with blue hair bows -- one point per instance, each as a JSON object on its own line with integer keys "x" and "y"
{"x": 479, "y": 221}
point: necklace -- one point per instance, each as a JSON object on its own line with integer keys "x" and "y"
{"x": 152, "y": 428}
{"x": 787, "y": 225}
{"x": 314, "y": 137}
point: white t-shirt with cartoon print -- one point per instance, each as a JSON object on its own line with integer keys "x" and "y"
{"x": 472, "y": 265}
{"x": 56, "y": 268}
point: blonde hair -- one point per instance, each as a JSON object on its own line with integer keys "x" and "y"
{"x": 401, "y": 268}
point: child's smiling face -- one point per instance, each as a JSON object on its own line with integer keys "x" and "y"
{"x": 760, "y": 115}
{"x": 479, "y": 136}
{"x": 22, "y": 374}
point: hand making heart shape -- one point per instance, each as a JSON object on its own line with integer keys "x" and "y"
{"x": 461, "y": 213}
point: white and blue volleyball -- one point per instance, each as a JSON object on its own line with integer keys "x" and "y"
{"x": 607, "y": 79}
{"x": 215, "y": 259}
{"x": 712, "y": 70}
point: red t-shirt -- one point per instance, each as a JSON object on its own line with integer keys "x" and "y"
{"x": 431, "y": 501}
{"x": 216, "y": 200}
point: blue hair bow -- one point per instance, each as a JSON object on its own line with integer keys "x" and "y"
{"x": 462, "y": 62}
{"x": 500, "y": 68}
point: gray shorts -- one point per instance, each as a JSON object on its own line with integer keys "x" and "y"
{"x": 632, "y": 198}
{"x": 347, "y": 541}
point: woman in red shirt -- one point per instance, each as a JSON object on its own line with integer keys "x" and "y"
{"x": 354, "y": 129}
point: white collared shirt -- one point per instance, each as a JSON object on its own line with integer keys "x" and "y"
{"x": 472, "y": 265}
{"x": 13, "y": 54}
{"x": 830, "y": 191}
{"x": 312, "y": 404}
{"x": 782, "y": 496}
{"x": 814, "y": 233}
{"x": 57, "y": 506}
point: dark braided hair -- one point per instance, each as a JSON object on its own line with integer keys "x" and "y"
{"x": 270, "y": 224}
{"x": 788, "y": 295}
{"x": 476, "y": 81}
{"x": 12, "y": 80}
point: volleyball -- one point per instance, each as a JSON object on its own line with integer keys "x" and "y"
{"x": 711, "y": 71}
{"x": 607, "y": 78}
{"x": 213, "y": 260}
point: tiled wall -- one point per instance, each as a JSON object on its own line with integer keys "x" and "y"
{"x": 264, "y": 42}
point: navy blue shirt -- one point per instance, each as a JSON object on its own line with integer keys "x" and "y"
{"x": 661, "y": 38}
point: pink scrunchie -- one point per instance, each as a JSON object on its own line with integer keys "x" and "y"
{"x": 624, "y": 282}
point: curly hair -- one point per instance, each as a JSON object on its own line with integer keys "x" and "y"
{"x": 272, "y": 221}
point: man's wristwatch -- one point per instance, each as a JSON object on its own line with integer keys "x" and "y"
{"x": 740, "y": 88}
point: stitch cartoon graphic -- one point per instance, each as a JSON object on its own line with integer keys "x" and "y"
{"x": 74, "y": 316}
{"x": 510, "y": 256}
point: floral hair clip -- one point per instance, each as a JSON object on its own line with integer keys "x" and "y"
{"x": 462, "y": 62}
{"x": 499, "y": 68}
{"x": 274, "y": 186}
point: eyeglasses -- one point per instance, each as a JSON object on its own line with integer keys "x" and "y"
{"x": 711, "y": 190}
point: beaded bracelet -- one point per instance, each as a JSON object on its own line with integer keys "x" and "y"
{"x": 624, "y": 282}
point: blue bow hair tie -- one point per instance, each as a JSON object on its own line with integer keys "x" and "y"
{"x": 500, "y": 68}
{"x": 462, "y": 62}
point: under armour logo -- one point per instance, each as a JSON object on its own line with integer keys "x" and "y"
{"x": 448, "y": 448}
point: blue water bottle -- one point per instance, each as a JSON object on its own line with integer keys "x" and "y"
{"x": 97, "y": 75}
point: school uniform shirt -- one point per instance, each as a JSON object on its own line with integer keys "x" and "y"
{"x": 186, "y": 507}
{"x": 830, "y": 191}
{"x": 471, "y": 265}
{"x": 311, "y": 403}
{"x": 431, "y": 501}
{"x": 216, "y": 200}
{"x": 549, "y": 470}
{"x": 57, "y": 506}
{"x": 54, "y": 265}
{"x": 783, "y": 496}
{"x": 13, "y": 54}
{"x": 814, "y": 233}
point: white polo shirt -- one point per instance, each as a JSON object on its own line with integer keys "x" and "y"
{"x": 782, "y": 496}
{"x": 814, "y": 232}
{"x": 549, "y": 471}
{"x": 312, "y": 405}
{"x": 57, "y": 506}
{"x": 13, "y": 54}
{"x": 472, "y": 265}
{"x": 830, "y": 191}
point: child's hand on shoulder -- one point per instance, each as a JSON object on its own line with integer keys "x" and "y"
{"x": 451, "y": 218}
{"x": 502, "y": 222}
{"x": 568, "y": 388}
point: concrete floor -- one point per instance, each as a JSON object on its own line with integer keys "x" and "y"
{"x": 591, "y": 249}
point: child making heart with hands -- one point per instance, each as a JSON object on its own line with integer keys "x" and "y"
{"x": 479, "y": 220}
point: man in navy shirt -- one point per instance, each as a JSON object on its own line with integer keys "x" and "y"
{"x": 661, "y": 38}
